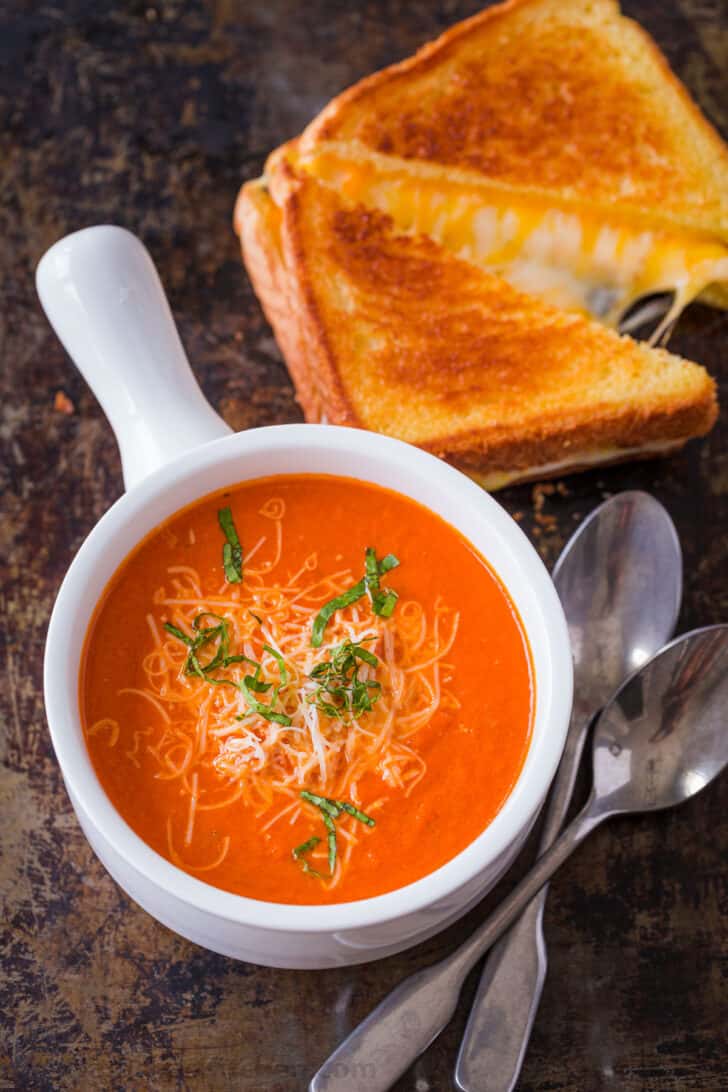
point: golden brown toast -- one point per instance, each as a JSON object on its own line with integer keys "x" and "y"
{"x": 562, "y": 98}
{"x": 547, "y": 113}
{"x": 395, "y": 334}
{"x": 596, "y": 262}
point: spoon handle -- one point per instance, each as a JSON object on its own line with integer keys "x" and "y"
{"x": 502, "y": 1016}
{"x": 404, "y": 1024}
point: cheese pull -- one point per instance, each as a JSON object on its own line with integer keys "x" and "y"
{"x": 574, "y": 258}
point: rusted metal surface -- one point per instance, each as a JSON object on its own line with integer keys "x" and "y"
{"x": 150, "y": 116}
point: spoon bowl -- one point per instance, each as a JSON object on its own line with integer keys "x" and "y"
{"x": 619, "y": 579}
{"x": 663, "y": 738}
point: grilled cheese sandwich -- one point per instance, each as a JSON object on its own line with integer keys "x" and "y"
{"x": 538, "y": 167}
{"x": 394, "y": 333}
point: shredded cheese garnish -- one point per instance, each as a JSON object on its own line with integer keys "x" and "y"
{"x": 198, "y": 729}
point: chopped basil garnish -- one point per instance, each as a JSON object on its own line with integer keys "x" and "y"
{"x": 383, "y": 602}
{"x": 330, "y": 811}
{"x": 282, "y": 671}
{"x": 249, "y": 685}
{"x": 260, "y": 707}
{"x": 331, "y": 839}
{"x": 201, "y": 637}
{"x": 322, "y": 802}
{"x": 306, "y": 846}
{"x": 298, "y": 855}
{"x": 330, "y": 608}
{"x": 340, "y": 693}
{"x": 351, "y": 810}
{"x": 232, "y": 551}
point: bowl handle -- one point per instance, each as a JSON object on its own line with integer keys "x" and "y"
{"x": 104, "y": 299}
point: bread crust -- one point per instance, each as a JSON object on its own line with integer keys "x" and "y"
{"x": 257, "y": 221}
{"x": 571, "y": 443}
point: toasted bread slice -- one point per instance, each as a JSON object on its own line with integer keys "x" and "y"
{"x": 395, "y": 334}
{"x": 599, "y": 263}
{"x": 558, "y": 98}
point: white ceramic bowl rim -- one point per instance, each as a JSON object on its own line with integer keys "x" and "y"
{"x": 553, "y": 683}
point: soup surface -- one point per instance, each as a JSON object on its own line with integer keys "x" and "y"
{"x": 306, "y": 689}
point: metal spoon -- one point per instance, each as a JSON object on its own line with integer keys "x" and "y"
{"x": 619, "y": 579}
{"x": 660, "y": 740}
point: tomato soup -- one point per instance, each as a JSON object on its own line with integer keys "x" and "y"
{"x": 306, "y": 689}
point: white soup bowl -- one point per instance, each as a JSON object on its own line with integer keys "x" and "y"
{"x": 104, "y": 299}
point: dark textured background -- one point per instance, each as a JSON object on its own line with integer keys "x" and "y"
{"x": 150, "y": 116}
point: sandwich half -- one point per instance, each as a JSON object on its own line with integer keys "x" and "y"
{"x": 546, "y": 140}
{"x": 393, "y": 332}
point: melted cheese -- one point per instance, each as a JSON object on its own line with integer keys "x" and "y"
{"x": 570, "y": 258}
{"x": 585, "y": 460}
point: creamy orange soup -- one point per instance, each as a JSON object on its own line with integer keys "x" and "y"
{"x": 306, "y": 689}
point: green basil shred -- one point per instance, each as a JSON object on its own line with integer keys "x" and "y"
{"x": 340, "y": 693}
{"x": 232, "y": 551}
{"x": 383, "y": 602}
{"x": 250, "y": 684}
{"x": 306, "y": 846}
{"x": 330, "y": 811}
